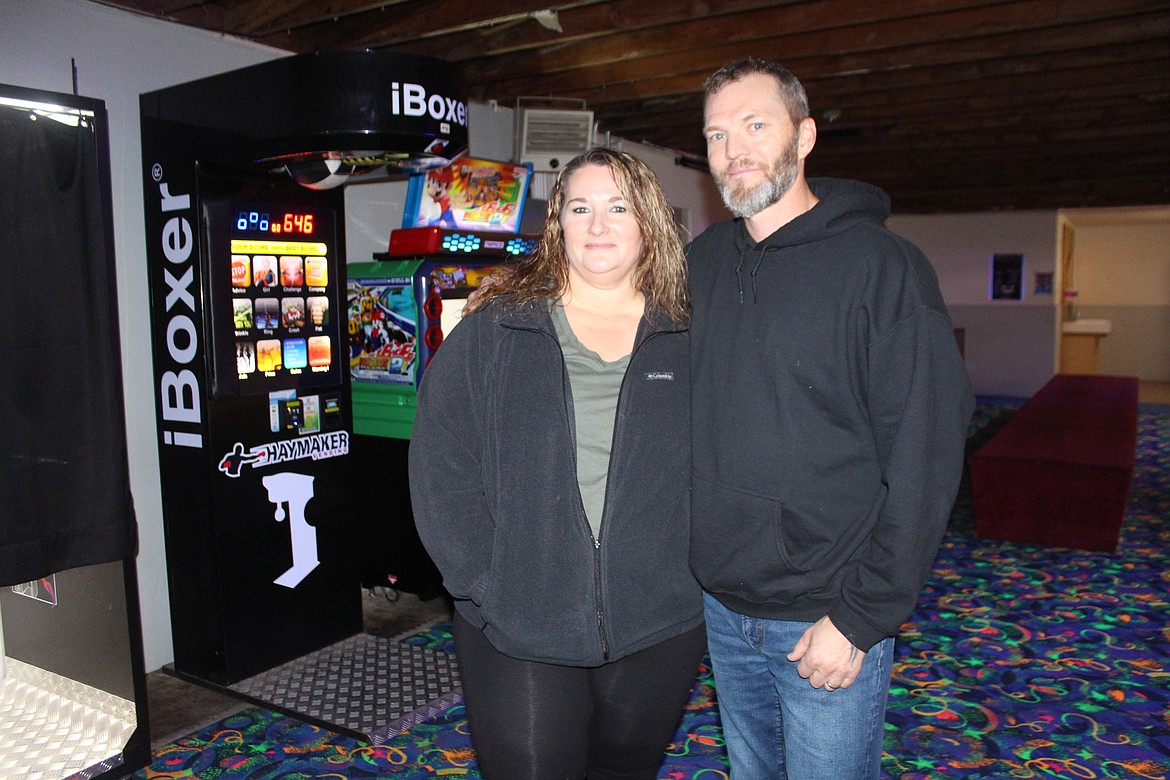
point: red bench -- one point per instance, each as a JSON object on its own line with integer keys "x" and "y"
{"x": 1059, "y": 472}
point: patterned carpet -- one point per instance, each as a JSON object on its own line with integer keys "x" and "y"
{"x": 1034, "y": 662}
{"x": 1019, "y": 662}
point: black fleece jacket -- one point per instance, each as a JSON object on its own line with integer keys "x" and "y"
{"x": 494, "y": 489}
{"x": 830, "y": 409}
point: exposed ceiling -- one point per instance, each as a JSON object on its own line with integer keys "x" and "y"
{"x": 950, "y": 105}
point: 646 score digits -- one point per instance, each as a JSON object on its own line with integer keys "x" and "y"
{"x": 280, "y": 223}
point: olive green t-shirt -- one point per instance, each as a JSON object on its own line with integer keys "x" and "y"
{"x": 595, "y": 384}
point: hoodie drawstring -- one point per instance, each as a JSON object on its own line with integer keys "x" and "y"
{"x": 739, "y": 271}
{"x": 759, "y": 262}
{"x": 755, "y": 270}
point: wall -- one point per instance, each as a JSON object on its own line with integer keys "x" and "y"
{"x": 685, "y": 188}
{"x": 371, "y": 212}
{"x": 120, "y": 55}
{"x": 1121, "y": 266}
{"x": 1010, "y": 345}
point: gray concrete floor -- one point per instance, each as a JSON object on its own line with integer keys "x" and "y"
{"x": 178, "y": 707}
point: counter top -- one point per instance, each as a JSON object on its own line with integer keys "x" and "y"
{"x": 1091, "y": 327}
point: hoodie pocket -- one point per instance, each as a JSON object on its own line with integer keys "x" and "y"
{"x": 737, "y": 545}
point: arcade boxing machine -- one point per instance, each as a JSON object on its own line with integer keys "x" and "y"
{"x": 460, "y": 223}
{"x": 245, "y": 231}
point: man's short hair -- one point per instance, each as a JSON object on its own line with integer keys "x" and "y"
{"x": 791, "y": 90}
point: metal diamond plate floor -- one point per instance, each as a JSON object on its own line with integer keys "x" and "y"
{"x": 370, "y": 686}
{"x": 52, "y": 727}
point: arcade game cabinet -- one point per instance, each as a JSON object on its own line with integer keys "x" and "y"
{"x": 245, "y": 231}
{"x": 459, "y": 224}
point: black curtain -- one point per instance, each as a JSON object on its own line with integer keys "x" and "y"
{"x": 64, "y": 480}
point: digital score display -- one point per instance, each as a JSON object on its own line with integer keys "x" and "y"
{"x": 276, "y": 223}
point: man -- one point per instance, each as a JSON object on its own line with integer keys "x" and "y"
{"x": 830, "y": 415}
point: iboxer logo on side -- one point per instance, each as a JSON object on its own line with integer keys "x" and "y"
{"x": 412, "y": 100}
{"x": 179, "y": 391}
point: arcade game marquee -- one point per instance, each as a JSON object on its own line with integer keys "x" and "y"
{"x": 245, "y": 228}
{"x": 459, "y": 224}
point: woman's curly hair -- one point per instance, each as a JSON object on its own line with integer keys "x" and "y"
{"x": 660, "y": 272}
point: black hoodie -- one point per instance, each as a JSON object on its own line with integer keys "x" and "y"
{"x": 830, "y": 411}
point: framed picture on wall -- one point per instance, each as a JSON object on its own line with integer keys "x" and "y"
{"x": 1007, "y": 277}
{"x": 1043, "y": 284}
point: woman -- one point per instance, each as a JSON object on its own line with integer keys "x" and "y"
{"x": 549, "y": 468}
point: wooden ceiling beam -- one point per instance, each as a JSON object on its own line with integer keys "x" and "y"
{"x": 462, "y": 32}
{"x": 265, "y": 19}
{"x": 948, "y": 104}
{"x": 203, "y": 14}
{"x": 636, "y": 27}
{"x": 418, "y": 28}
{"x": 684, "y": 72}
{"x": 819, "y": 25}
{"x": 1018, "y": 177}
{"x": 1136, "y": 146}
{"x": 1083, "y": 134}
{"x": 947, "y": 197}
{"x": 845, "y": 47}
{"x": 1106, "y": 95}
{"x": 1147, "y": 77}
{"x": 1017, "y": 101}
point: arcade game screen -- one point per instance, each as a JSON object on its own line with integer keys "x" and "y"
{"x": 383, "y": 325}
{"x": 384, "y": 319}
{"x": 283, "y": 331}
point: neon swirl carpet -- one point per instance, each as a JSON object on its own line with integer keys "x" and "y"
{"x": 1019, "y": 662}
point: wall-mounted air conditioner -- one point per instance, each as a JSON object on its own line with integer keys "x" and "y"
{"x": 550, "y": 137}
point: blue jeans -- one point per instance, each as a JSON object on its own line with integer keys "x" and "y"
{"x": 775, "y": 724}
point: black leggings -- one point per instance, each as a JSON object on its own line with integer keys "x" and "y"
{"x": 536, "y": 721}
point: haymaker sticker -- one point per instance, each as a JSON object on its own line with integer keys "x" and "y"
{"x": 318, "y": 447}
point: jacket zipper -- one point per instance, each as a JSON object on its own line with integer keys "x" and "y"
{"x": 597, "y": 541}
{"x": 597, "y": 599}
{"x": 600, "y": 609}
{"x": 569, "y": 419}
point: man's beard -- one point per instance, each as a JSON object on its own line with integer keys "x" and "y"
{"x": 778, "y": 180}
